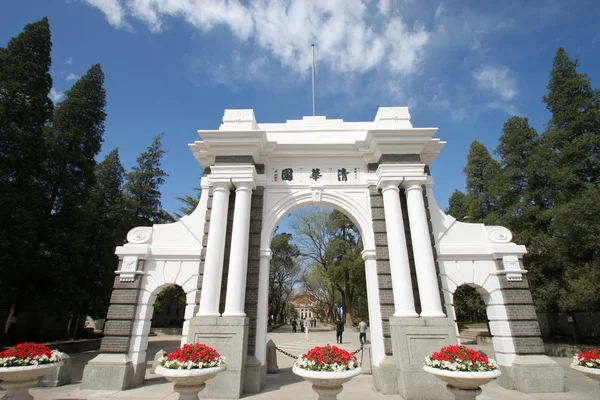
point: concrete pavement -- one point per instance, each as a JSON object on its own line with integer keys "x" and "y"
{"x": 286, "y": 385}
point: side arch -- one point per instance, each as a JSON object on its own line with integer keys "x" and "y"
{"x": 160, "y": 274}
{"x": 482, "y": 275}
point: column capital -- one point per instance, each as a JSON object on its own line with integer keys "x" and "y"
{"x": 414, "y": 183}
{"x": 387, "y": 184}
{"x": 397, "y": 173}
{"x": 221, "y": 184}
{"x": 244, "y": 184}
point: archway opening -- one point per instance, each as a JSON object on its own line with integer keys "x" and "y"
{"x": 169, "y": 310}
{"x": 471, "y": 315}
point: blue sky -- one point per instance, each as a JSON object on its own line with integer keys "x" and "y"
{"x": 173, "y": 66}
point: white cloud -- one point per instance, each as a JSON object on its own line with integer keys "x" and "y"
{"x": 497, "y": 80}
{"x": 384, "y": 6}
{"x": 509, "y": 109}
{"x": 347, "y": 37}
{"x": 69, "y": 61}
{"x": 56, "y": 96}
{"x": 72, "y": 77}
{"x": 112, "y": 9}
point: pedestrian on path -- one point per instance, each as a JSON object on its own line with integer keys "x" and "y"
{"x": 294, "y": 324}
{"x": 339, "y": 330}
{"x": 362, "y": 332}
{"x": 305, "y": 325}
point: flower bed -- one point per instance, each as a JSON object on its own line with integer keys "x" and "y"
{"x": 460, "y": 358}
{"x": 27, "y": 354}
{"x": 588, "y": 359}
{"x": 192, "y": 356}
{"x": 327, "y": 359}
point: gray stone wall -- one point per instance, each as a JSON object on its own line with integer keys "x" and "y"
{"x": 251, "y": 303}
{"x": 384, "y": 277}
{"x": 522, "y": 318}
{"x": 121, "y": 313}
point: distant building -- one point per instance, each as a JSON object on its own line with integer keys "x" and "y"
{"x": 305, "y": 306}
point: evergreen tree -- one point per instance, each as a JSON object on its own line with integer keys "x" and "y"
{"x": 457, "y": 206}
{"x": 25, "y": 109}
{"x": 189, "y": 203}
{"x": 481, "y": 170}
{"x": 572, "y": 145}
{"x": 72, "y": 140}
{"x": 142, "y": 188}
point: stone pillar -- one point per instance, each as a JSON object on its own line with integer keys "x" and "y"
{"x": 263, "y": 304}
{"x": 429, "y": 291}
{"x": 238, "y": 259}
{"x": 215, "y": 250}
{"x": 399, "y": 264}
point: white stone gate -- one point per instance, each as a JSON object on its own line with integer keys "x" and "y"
{"x": 415, "y": 256}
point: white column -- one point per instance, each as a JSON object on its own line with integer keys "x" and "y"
{"x": 376, "y": 328}
{"x": 238, "y": 255}
{"x": 399, "y": 265}
{"x": 429, "y": 291}
{"x": 215, "y": 251}
{"x": 263, "y": 304}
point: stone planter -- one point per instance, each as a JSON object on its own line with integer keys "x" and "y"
{"x": 189, "y": 382}
{"x": 462, "y": 384}
{"x": 327, "y": 384}
{"x": 593, "y": 373}
{"x": 18, "y": 380}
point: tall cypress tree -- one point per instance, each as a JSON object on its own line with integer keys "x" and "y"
{"x": 25, "y": 109}
{"x": 73, "y": 140}
{"x": 572, "y": 144}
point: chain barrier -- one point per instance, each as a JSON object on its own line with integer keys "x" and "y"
{"x": 296, "y": 357}
{"x": 286, "y": 353}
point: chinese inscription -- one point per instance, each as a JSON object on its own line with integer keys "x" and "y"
{"x": 321, "y": 174}
{"x": 315, "y": 174}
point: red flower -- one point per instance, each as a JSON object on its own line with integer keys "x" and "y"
{"x": 197, "y": 354}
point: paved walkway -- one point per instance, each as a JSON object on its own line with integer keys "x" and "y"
{"x": 286, "y": 385}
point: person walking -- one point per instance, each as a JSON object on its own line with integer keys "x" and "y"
{"x": 362, "y": 332}
{"x": 305, "y": 325}
{"x": 294, "y": 324}
{"x": 339, "y": 329}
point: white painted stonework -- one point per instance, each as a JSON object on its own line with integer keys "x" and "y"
{"x": 318, "y": 161}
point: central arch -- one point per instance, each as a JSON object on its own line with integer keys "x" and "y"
{"x": 278, "y": 204}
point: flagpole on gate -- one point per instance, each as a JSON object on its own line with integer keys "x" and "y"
{"x": 313, "y": 80}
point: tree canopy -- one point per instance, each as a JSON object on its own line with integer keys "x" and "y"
{"x": 546, "y": 189}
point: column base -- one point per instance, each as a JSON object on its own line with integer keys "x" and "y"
{"x": 533, "y": 374}
{"x": 412, "y": 340}
{"x": 234, "y": 314}
{"x": 406, "y": 315}
{"x": 433, "y": 315}
{"x": 229, "y": 336}
{"x": 108, "y": 372}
